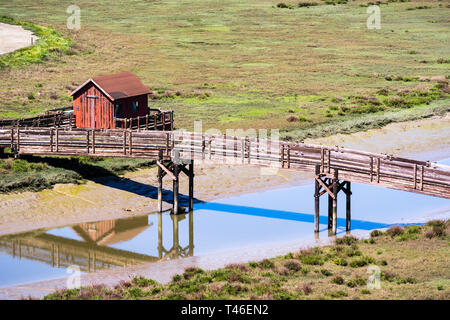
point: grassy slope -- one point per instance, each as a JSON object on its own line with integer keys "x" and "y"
{"x": 413, "y": 264}
{"x": 243, "y": 64}
{"x": 49, "y": 45}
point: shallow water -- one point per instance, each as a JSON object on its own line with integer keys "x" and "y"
{"x": 270, "y": 217}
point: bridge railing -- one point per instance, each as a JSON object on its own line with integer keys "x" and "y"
{"x": 161, "y": 120}
{"x": 352, "y": 165}
{"x": 52, "y": 118}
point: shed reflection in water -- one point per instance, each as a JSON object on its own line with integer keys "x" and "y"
{"x": 95, "y": 248}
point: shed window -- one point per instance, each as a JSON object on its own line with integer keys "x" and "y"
{"x": 78, "y": 108}
{"x": 118, "y": 111}
{"x": 134, "y": 106}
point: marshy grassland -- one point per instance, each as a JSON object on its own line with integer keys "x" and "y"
{"x": 412, "y": 262}
{"x": 35, "y": 173}
{"x": 310, "y": 70}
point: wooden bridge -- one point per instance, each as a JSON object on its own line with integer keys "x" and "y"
{"x": 175, "y": 151}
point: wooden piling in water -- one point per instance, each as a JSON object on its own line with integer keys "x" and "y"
{"x": 330, "y": 210}
{"x": 160, "y": 181}
{"x": 176, "y": 171}
{"x": 335, "y": 194}
{"x": 348, "y": 195}
{"x": 317, "y": 201}
{"x": 191, "y": 186}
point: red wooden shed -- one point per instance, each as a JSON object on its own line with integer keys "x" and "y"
{"x": 98, "y": 101}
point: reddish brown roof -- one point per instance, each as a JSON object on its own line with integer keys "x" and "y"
{"x": 118, "y": 86}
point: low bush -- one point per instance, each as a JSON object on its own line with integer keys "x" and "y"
{"x": 395, "y": 231}
{"x": 338, "y": 280}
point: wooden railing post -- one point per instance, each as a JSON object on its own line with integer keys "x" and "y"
{"x": 348, "y": 195}
{"x": 87, "y": 141}
{"x": 93, "y": 141}
{"x": 57, "y": 140}
{"x": 124, "y": 141}
{"x": 51, "y": 140}
{"x": 160, "y": 180}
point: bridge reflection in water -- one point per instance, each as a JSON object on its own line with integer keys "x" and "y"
{"x": 94, "y": 251}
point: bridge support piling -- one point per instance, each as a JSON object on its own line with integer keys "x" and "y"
{"x": 325, "y": 183}
{"x": 317, "y": 202}
{"x": 191, "y": 185}
{"x": 160, "y": 237}
{"x": 176, "y": 184}
{"x": 330, "y": 209}
{"x": 160, "y": 182}
{"x": 335, "y": 198}
{"x": 348, "y": 195}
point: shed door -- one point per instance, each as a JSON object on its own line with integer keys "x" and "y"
{"x": 92, "y": 101}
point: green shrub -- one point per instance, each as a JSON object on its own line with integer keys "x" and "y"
{"x": 338, "y": 294}
{"x": 348, "y": 240}
{"x": 266, "y": 264}
{"x": 144, "y": 282}
{"x": 406, "y": 236}
{"x": 338, "y": 280}
{"x": 383, "y": 263}
{"x": 325, "y": 272}
{"x": 305, "y": 270}
{"x": 395, "y": 231}
{"x": 413, "y": 230}
{"x": 361, "y": 262}
{"x": 340, "y": 261}
{"x": 407, "y": 280}
{"x": 285, "y": 5}
{"x": 436, "y": 223}
{"x": 360, "y": 281}
{"x": 312, "y": 259}
{"x": 376, "y": 233}
{"x": 307, "y": 4}
{"x": 293, "y": 265}
{"x": 135, "y": 292}
{"x": 387, "y": 276}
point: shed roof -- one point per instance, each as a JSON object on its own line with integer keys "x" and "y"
{"x": 118, "y": 86}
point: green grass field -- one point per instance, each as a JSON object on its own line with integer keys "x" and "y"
{"x": 238, "y": 64}
{"x": 307, "y": 71}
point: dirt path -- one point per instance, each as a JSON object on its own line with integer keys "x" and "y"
{"x": 14, "y": 37}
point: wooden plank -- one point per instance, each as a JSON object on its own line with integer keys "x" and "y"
{"x": 324, "y": 186}
{"x": 378, "y": 169}
{"x": 170, "y": 174}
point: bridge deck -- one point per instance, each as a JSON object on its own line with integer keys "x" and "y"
{"x": 352, "y": 165}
